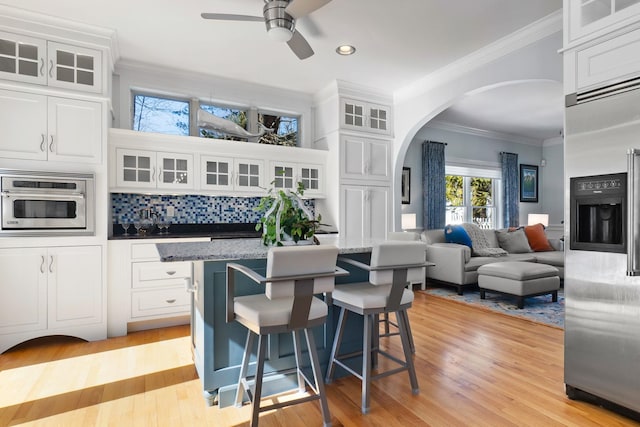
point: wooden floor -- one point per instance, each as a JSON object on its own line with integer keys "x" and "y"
{"x": 475, "y": 368}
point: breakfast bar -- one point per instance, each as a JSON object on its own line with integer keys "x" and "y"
{"x": 218, "y": 345}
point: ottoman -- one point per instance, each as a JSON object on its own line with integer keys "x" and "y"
{"x": 522, "y": 279}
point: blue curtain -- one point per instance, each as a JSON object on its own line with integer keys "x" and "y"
{"x": 433, "y": 185}
{"x": 510, "y": 215}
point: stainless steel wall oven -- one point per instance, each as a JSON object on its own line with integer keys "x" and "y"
{"x": 47, "y": 203}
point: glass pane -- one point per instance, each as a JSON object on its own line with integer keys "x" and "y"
{"x": 348, "y": 108}
{"x": 8, "y": 65}
{"x": 129, "y": 161}
{"x": 224, "y": 167}
{"x": 483, "y": 217}
{"x": 169, "y": 164}
{"x": 358, "y": 121}
{"x": 162, "y": 115}
{"x": 65, "y": 75}
{"x": 382, "y": 125}
{"x": 28, "y": 51}
{"x": 454, "y": 190}
{"x": 212, "y": 179}
{"x": 144, "y": 176}
{"x": 129, "y": 175}
{"x": 288, "y": 183}
{"x": 254, "y": 181}
{"x": 374, "y": 124}
{"x": 243, "y": 181}
{"x": 455, "y": 215}
{"x": 314, "y": 185}
{"x": 481, "y": 192}
{"x": 183, "y": 178}
{"x": 374, "y": 113}
{"x": 382, "y": 114}
{"x": 348, "y": 120}
{"x": 358, "y": 110}
{"x": 144, "y": 162}
{"x": 65, "y": 58}
{"x": 278, "y": 182}
{"x": 212, "y": 167}
{"x": 254, "y": 169}
{"x": 167, "y": 177}
{"x": 85, "y": 61}
{"x": 314, "y": 173}
{"x": 223, "y": 179}
{"x": 623, "y": 4}
{"x": 7, "y": 47}
{"x": 305, "y": 173}
{"x": 594, "y": 10}
{"x": 84, "y": 77}
{"x": 234, "y": 115}
{"x": 28, "y": 68}
{"x": 286, "y": 129}
{"x": 244, "y": 168}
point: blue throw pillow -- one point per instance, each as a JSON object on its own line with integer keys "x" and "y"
{"x": 457, "y": 234}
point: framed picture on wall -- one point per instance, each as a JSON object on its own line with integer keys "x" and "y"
{"x": 406, "y": 186}
{"x": 529, "y": 183}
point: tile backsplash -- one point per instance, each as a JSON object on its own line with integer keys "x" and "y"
{"x": 189, "y": 209}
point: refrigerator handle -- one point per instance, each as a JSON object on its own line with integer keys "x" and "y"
{"x": 633, "y": 213}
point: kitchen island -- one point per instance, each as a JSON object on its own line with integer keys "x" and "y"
{"x": 217, "y": 345}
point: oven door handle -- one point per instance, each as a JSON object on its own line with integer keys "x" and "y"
{"x": 45, "y": 196}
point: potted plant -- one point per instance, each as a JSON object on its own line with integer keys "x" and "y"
{"x": 285, "y": 217}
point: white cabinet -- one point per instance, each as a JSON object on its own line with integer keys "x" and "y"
{"x": 365, "y": 116}
{"x": 365, "y": 159}
{"x": 286, "y": 175}
{"x": 33, "y": 60}
{"x": 47, "y": 291}
{"x": 150, "y": 169}
{"x": 37, "y": 127}
{"x": 158, "y": 288}
{"x": 587, "y": 17}
{"x": 233, "y": 174}
{"x": 365, "y": 212}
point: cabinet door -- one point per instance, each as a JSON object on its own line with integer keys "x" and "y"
{"x": 590, "y": 16}
{"x": 23, "y": 290}
{"x": 364, "y": 159}
{"x": 283, "y": 175}
{"x": 216, "y": 173}
{"x": 73, "y": 67}
{"x": 22, "y": 58}
{"x": 75, "y": 130}
{"x": 135, "y": 168}
{"x": 249, "y": 175}
{"x": 364, "y": 212}
{"x": 23, "y": 125}
{"x": 377, "y": 212}
{"x": 378, "y": 155}
{"x": 175, "y": 170}
{"x": 353, "y": 114}
{"x": 312, "y": 178}
{"x": 379, "y": 119}
{"x": 75, "y": 285}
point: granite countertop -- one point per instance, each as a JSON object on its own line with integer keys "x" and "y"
{"x": 230, "y": 249}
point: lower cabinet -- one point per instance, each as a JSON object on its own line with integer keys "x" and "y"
{"x": 364, "y": 212}
{"x": 50, "y": 291}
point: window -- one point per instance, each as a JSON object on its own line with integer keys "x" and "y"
{"x": 162, "y": 115}
{"x": 472, "y": 195}
{"x": 237, "y": 116}
{"x": 285, "y": 129}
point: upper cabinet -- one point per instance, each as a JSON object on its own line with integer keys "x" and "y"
{"x": 286, "y": 175}
{"x": 365, "y": 159}
{"x": 587, "y": 17}
{"x": 32, "y": 60}
{"x": 39, "y": 127}
{"x": 365, "y": 116}
{"x": 231, "y": 174}
{"x": 150, "y": 169}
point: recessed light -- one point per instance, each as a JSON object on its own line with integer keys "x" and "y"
{"x": 345, "y": 49}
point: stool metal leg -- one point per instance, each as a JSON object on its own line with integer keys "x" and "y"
{"x": 404, "y": 334}
{"x": 298, "y": 354}
{"x": 317, "y": 376}
{"x": 335, "y": 348}
{"x": 257, "y": 393}
{"x": 244, "y": 368}
{"x": 366, "y": 361}
{"x": 411, "y": 343}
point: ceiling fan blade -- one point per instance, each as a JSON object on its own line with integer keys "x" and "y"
{"x": 231, "y": 17}
{"x": 298, "y": 8}
{"x": 300, "y": 46}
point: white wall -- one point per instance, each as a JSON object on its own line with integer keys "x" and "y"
{"x": 482, "y": 151}
{"x": 552, "y": 180}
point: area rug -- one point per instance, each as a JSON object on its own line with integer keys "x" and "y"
{"x": 537, "y": 309}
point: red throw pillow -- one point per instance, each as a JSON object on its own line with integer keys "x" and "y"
{"x": 537, "y": 238}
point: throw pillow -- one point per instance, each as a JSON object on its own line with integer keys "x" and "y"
{"x": 514, "y": 242}
{"x": 457, "y": 234}
{"x": 537, "y": 238}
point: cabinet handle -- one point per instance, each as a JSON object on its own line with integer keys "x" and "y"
{"x": 51, "y": 143}
{"x": 42, "y": 264}
{"x": 171, "y": 301}
{"x": 153, "y": 174}
{"x": 51, "y": 68}
{"x": 159, "y": 175}
{"x": 43, "y": 139}
{"x": 171, "y": 273}
{"x": 42, "y": 66}
{"x": 51, "y": 264}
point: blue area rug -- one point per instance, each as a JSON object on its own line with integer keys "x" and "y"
{"x": 537, "y": 309}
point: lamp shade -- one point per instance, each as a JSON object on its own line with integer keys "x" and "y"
{"x": 408, "y": 221}
{"x": 533, "y": 219}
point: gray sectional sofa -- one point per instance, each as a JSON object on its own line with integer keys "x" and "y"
{"x": 455, "y": 265}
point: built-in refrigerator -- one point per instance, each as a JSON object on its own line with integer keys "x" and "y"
{"x": 602, "y": 288}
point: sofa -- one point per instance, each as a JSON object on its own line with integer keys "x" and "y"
{"x": 456, "y": 265}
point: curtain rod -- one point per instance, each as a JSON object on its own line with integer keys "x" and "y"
{"x": 436, "y": 142}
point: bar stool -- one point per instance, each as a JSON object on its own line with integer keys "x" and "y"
{"x": 293, "y": 276}
{"x": 384, "y": 293}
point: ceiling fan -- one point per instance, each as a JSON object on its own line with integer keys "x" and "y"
{"x": 280, "y": 18}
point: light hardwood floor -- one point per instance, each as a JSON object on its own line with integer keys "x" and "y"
{"x": 475, "y": 368}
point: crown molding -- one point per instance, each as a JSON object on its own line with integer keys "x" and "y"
{"x": 525, "y": 36}
{"x": 453, "y": 127}
{"x": 558, "y": 140}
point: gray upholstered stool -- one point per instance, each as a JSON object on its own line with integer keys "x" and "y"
{"x": 522, "y": 279}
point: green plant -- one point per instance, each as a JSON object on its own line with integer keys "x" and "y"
{"x": 285, "y": 217}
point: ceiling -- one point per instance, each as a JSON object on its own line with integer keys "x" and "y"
{"x": 397, "y": 42}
